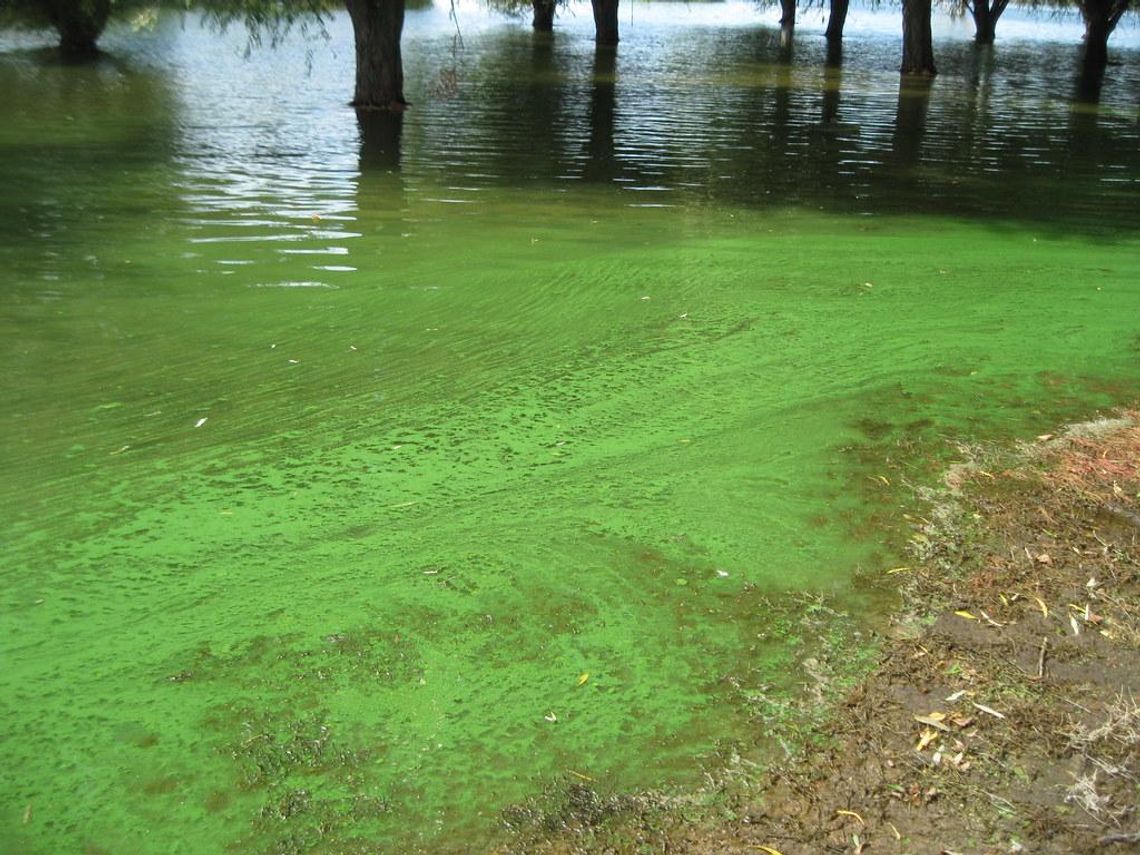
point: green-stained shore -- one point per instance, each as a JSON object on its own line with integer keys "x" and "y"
{"x": 996, "y": 715}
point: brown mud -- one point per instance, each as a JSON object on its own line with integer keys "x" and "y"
{"x": 1000, "y": 716}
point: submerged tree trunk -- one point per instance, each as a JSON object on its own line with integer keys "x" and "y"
{"x": 377, "y": 25}
{"x": 602, "y": 165}
{"x": 543, "y": 15}
{"x": 79, "y": 24}
{"x": 835, "y": 23}
{"x": 380, "y": 133}
{"x": 787, "y": 21}
{"x": 918, "y": 45}
{"x": 606, "y": 22}
{"x": 910, "y": 121}
{"x": 1101, "y": 18}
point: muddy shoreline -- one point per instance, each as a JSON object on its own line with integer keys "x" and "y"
{"x": 999, "y": 715}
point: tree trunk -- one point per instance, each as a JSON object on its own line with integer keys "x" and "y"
{"x": 377, "y": 25}
{"x": 606, "y": 22}
{"x": 79, "y": 24}
{"x": 1101, "y": 18}
{"x": 918, "y": 45}
{"x": 985, "y": 22}
{"x": 787, "y": 22}
{"x": 1096, "y": 42}
{"x": 835, "y": 21}
{"x": 543, "y": 15}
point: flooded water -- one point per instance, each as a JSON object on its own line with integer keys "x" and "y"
{"x": 364, "y": 479}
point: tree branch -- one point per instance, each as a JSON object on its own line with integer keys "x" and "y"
{"x": 1118, "y": 10}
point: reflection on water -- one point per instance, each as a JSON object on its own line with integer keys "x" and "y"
{"x": 338, "y": 448}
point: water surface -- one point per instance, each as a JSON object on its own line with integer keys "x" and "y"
{"x": 363, "y": 479}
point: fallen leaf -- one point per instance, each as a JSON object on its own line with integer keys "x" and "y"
{"x": 931, "y": 721}
{"x": 579, "y": 775}
{"x": 989, "y": 619}
{"x": 1044, "y": 608}
{"x": 768, "y": 849}
{"x": 965, "y": 614}
{"x": 200, "y": 422}
{"x": 550, "y": 716}
{"x": 850, "y": 813}
{"x": 583, "y": 678}
{"x": 928, "y": 736}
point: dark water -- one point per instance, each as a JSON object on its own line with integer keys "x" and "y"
{"x": 365, "y": 477}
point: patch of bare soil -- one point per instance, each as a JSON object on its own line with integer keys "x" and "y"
{"x": 1001, "y": 716}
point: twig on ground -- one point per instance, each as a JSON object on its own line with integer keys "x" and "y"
{"x": 1119, "y": 837}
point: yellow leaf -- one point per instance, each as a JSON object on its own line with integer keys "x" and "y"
{"x": 965, "y": 614}
{"x": 928, "y": 736}
{"x": 850, "y": 813}
{"x": 583, "y": 678}
{"x": 898, "y": 570}
{"x": 1044, "y": 608}
{"x": 579, "y": 775}
{"x": 769, "y": 850}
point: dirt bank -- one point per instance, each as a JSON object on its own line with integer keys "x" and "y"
{"x": 1000, "y": 717}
